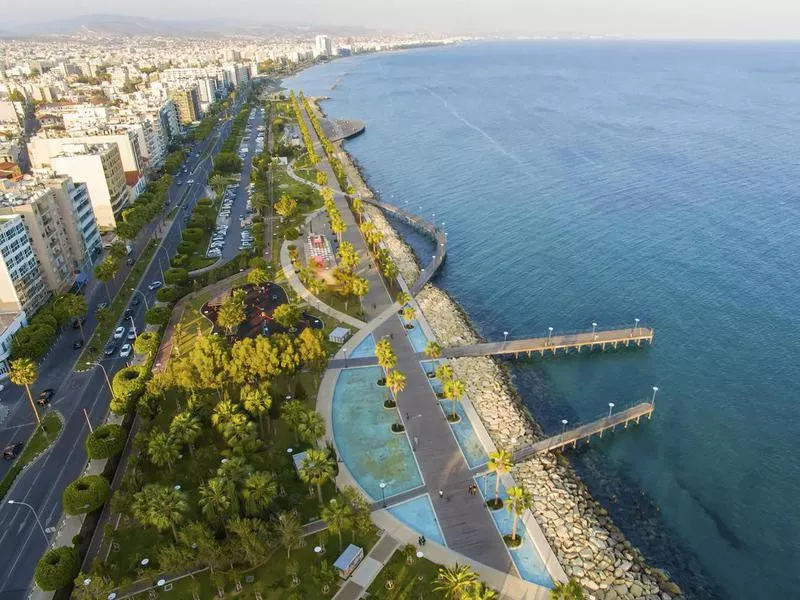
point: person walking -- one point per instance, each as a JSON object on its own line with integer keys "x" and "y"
{"x": 422, "y": 540}
{"x": 441, "y": 494}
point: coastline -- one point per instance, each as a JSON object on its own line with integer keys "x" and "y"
{"x": 589, "y": 546}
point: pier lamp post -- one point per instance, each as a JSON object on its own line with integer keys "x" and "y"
{"x": 345, "y": 357}
{"x": 564, "y": 426}
{"x": 594, "y": 328}
{"x": 610, "y": 408}
{"x": 434, "y": 220}
{"x": 382, "y": 485}
{"x": 505, "y": 337}
{"x": 635, "y": 324}
{"x": 653, "y": 400}
{"x": 549, "y": 334}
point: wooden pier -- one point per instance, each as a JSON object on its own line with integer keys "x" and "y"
{"x": 573, "y": 436}
{"x": 597, "y": 339}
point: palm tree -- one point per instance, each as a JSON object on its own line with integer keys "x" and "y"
{"x": 162, "y": 449}
{"x": 257, "y": 402}
{"x": 223, "y": 413}
{"x": 288, "y": 531}
{"x": 433, "y": 350}
{"x": 499, "y": 463}
{"x": 240, "y": 434}
{"x": 217, "y": 182}
{"x": 251, "y": 536}
{"x": 106, "y": 271}
{"x": 358, "y": 208}
{"x": 385, "y": 355}
{"x": 409, "y": 314}
{"x": 25, "y": 372}
{"x": 292, "y": 413}
{"x": 567, "y": 591}
{"x": 403, "y": 298}
{"x": 453, "y": 390}
{"x": 480, "y": 591}
{"x": 518, "y": 500}
{"x": 185, "y": 428}
{"x": 311, "y": 426}
{"x": 76, "y": 307}
{"x": 444, "y": 373}
{"x": 317, "y": 468}
{"x": 338, "y": 516}
{"x": 455, "y": 582}
{"x": 215, "y": 501}
{"x": 396, "y": 382}
{"x": 161, "y": 506}
{"x": 258, "y": 492}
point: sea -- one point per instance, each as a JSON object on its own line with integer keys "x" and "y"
{"x": 608, "y": 181}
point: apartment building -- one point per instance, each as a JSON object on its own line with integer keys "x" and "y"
{"x": 10, "y": 323}
{"x": 99, "y": 166}
{"x": 187, "y": 103}
{"x": 22, "y": 287}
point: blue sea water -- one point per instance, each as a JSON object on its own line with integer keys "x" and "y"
{"x": 607, "y": 181}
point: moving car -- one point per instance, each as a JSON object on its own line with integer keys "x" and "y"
{"x": 135, "y": 301}
{"x": 109, "y": 349}
{"x": 125, "y": 351}
{"x": 130, "y": 262}
{"x": 102, "y": 305}
{"x": 118, "y": 333}
{"x": 131, "y": 334}
{"x": 76, "y": 324}
{"x": 77, "y": 344}
{"x": 12, "y": 450}
{"x": 154, "y": 285}
{"x": 45, "y": 396}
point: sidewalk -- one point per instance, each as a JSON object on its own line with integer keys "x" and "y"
{"x": 369, "y": 568}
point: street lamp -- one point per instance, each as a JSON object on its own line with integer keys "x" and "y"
{"x": 610, "y": 408}
{"x": 35, "y": 516}
{"x": 382, "y": 485}
{"x": 653, "y": 400}
{"x": 133, "y": 324}
{"x": 564, "y": 426}
{"x": 108, "y": 381}
{"x": 135, "y": 291}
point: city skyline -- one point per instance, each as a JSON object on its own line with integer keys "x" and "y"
{"x": 682, "y": 19}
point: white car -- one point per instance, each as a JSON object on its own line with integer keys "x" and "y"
{"x": 131, "y": 334}
{"x": 154, "y": 285}
{"x": 118, "y": 333}
{"x": 125, "y": 351}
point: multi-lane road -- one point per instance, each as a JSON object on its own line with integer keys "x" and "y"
{"x": 41, "y": 485}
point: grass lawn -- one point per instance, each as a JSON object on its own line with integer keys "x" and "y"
{"x": 408, "y": 582}
{"x": 103, "y": 331}
{"x": 37, "y": 443}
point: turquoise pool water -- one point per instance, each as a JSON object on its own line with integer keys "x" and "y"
{"x": 366, "y": 444}
{"x": 465, "y": 435}
{"x": 418, "y": 514}
{"x": 526, "y": 558}
{"x": 365, "y": 348}
{"x": 416, "y": 335}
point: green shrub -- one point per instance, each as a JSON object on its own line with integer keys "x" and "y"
{"x": 107, "y": 440}
{"x": 180, "y": 261}
{"x": 292, "y": 234}
{"x": 146, "y": 343}
{"x": 128, "y": 384}
{"x": 173, "y": 275}
{"x": 192, "y": 234}
{"x": 187, "y": 247}
{"x": 86, "y": 494}
{"x": 158, "y": 315}
{"x": 166, "y": 294}
{"x": 57, "y": 568}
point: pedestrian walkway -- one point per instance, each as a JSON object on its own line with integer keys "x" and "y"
{"x": 369, "y": 568}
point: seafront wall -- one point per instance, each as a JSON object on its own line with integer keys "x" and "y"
{"x": 590, "y": 548}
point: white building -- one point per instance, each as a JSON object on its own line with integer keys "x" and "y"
{"x": 10, "y": 323}
{"x": 322, "y": 46}
{"x": 21, "y": 285}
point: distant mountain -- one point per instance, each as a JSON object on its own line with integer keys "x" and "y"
{"x": 122, "y": 25}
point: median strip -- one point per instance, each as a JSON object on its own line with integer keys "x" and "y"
{"x": 40, "y": 440}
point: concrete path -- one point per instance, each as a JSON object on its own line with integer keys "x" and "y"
{"x": 369, "y": 568}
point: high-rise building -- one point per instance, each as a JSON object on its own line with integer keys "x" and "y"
{"x": 21, "y": 285}
{"x": 187, "y": 103}
{"x": 49, "y": 208}
{"x": 322, "y": 46}
{"x": 100, "y": 168}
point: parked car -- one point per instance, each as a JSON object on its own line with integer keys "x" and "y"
{"x": 154, "y": 285}
{"x": 118, "y": 333}
{"x": 77, "y": 344}
{"x": 109, "y": 349}
{"x": 125, "y": 351}
{"x": 45, "y": 396}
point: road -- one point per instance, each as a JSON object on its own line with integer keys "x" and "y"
{"x": 21, "y": 542}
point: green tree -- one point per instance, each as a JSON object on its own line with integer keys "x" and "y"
{"x": 455, "y": 582}
{"x": 453, "y": 390}
{"x": 57, "y": 568}
{"x": 499, "y": 463}
{"x": 118, "y": 250}
{"x": 287, "y": 315}
{"x": 317, "y": 468}
{"x": 359, "y": 287}
{"x": 201, "y": 542}
{"x": 571, "y": 590}
{"x": 163, "y": 449}
{"x": 384, "y": 352}
{"x": 311, "y": 345}
{"x": 358, "y": 208}
{"x": 258, "y": 277}
{"x": 257, "y": 402}
{"x": 158, "y": 315}
{"x": 146, "y": 343}
{"x": 433, "y": 350}
{"x": 258, "y": 492}
{"x": 185, "y": 428}
{"x": 338, "y": 516}
{"x": 105, "y": 441}
{"x": 218, "y": 182}
{"x": 160, "y": 506}
{"x": 209, "y": 357}
{"x": 444, "y": 373}
{"x": 409, "y": 314}
{"x": 403, "y": 298}
{"x": 396, "y": 382}
{"x": 95, "y": 589}
{"x": 311, "y": 427}
{"x": 75, "y": 307}
{"x": 251, "y": 536}
{"x": 86, "y": 494}
{"x": 106, "y": 271}
{"x": 215, "y": 500}
{"x": 25, "y": 372}
{"x": 231, "y": 314}
{"x": 480, "y": 591}
{"x": 286, "y": 206}
{"x": 518, "y": 500}
{"x": 292, "y": 413}
{"x": 288, "y": 531}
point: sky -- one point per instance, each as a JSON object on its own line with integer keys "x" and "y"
{"x": 748, "y": 19}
